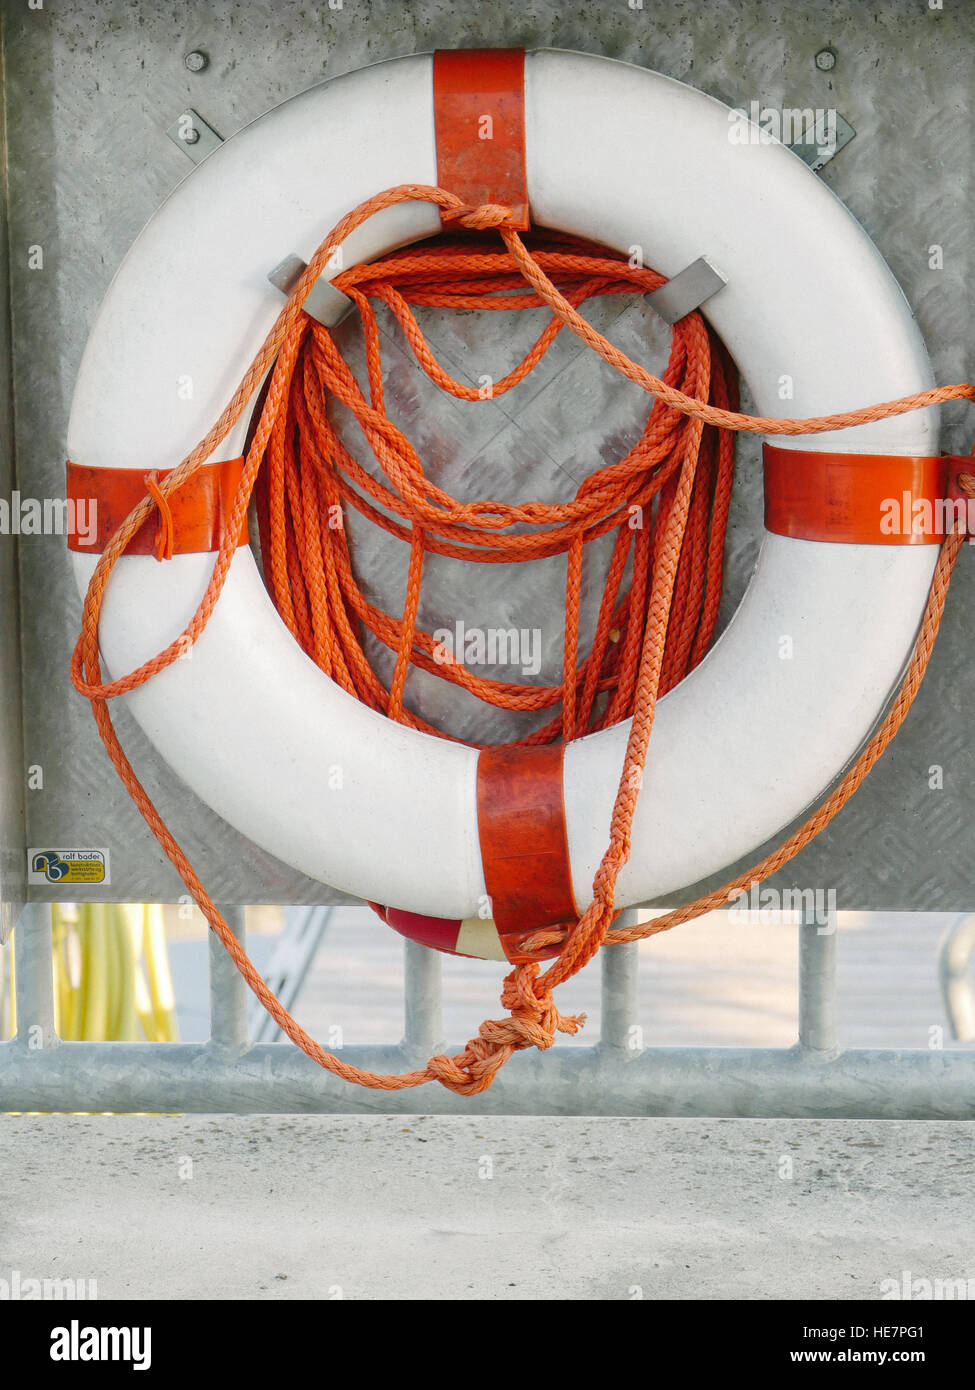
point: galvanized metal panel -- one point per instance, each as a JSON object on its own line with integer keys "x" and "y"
{"x": 12, "y": 825}
{"x": 91, "y": 91}
{"x": 275, "y": 1078}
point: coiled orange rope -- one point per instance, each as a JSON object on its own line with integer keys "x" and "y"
{"x": 678, "y": 478}
{"x": 310, "y": 475}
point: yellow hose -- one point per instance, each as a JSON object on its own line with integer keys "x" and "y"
{"x": 11, "y": 988}
{"x": 71, "y": 963}
{"x": 128, "y": 948}
{"x": 113, "y": 990}
{"x": 96, "y": 972}
{"x": 160, "y": 980}
{"x": 111, "y": 974}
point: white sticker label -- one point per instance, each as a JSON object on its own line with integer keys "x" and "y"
{"x": 68, "y": 866}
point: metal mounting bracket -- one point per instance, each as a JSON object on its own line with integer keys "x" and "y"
{"x": 686, "y": 291}
{"x": 324, "y": 303}
{"x": 812, "y": 152}
{"x": 195, "y": 136}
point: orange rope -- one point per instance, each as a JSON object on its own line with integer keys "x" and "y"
{"x": 677, "y": 479}
{"x": 166, "y": 535}
{"x": 310, "y": 475}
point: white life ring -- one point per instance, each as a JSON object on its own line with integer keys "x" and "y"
{"x": 619, "y": 155}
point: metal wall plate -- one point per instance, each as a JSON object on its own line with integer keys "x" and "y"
{"x": 91, "y": 89}
{"x": 195, "y": 136}
{"x": 812, "y": 151}
{"x": 12, "y": 771}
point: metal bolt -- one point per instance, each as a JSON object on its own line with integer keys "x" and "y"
{"x": 825, "y": 60}
{"x": 197, "y": 61}
{"x": 190, "y": 136}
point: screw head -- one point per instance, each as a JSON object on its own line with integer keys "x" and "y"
{"x": 196, "y": 61}
{"x": 191, "y": 136}
{"x": 825, "y": 59}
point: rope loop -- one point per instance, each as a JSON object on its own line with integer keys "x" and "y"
{"x": 166, "y": 531}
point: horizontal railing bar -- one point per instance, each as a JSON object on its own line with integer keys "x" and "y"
{"x": 568, "y": 1080}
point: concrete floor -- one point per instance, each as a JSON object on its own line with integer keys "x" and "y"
{"x": 399, "y": 1207}
{"x": 484, "y": 1208}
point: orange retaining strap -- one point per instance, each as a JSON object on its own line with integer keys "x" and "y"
{"x": 864, "y": 499}
{"x": 191, "y": 520}
{"x": 524, "y": 850}
{"x": 479, "y": 117}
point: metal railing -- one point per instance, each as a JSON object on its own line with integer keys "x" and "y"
{"x": 954, "y": 973}
{"x": 616, "y": 1076}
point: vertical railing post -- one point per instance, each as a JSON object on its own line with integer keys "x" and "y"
{"x": 34, "y": 963}
{"x": 817, "y": 982}
{"x": 619, "y": 1028}
{"x": 422, "y": 999}
{"x": 954, "y": 959}
{"x": 228, "y": 989}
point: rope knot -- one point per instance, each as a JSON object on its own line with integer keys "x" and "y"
{"x": 478, "y": 219}
{"x": 533, "y": 1021}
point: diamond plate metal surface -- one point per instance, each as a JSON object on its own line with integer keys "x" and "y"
{"x": 12, "y": 883}
{"x": 91, "y": 89}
